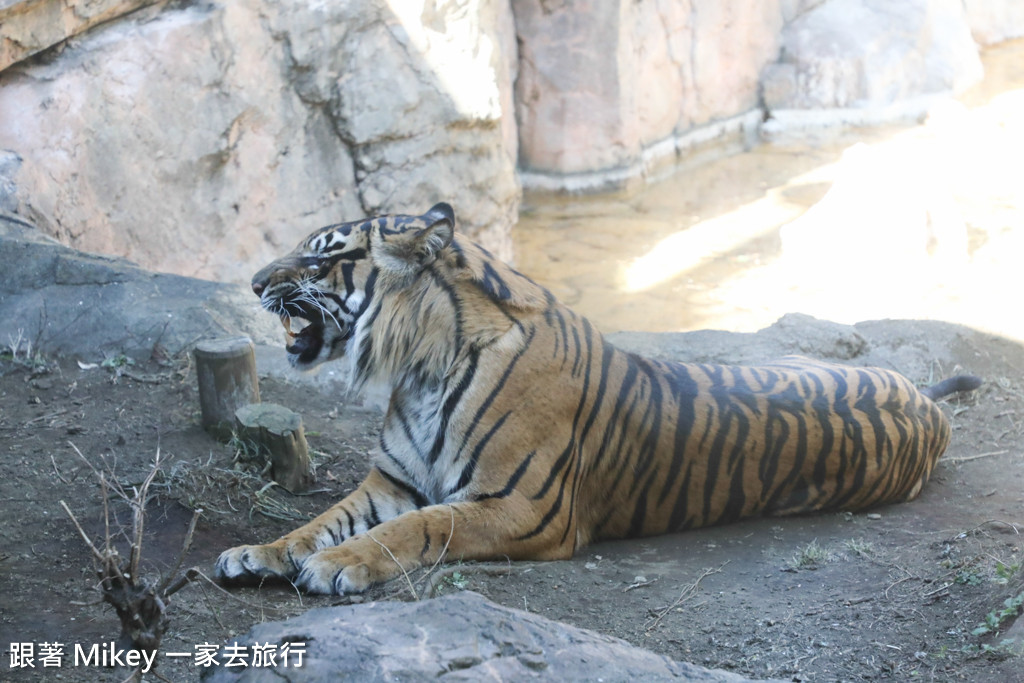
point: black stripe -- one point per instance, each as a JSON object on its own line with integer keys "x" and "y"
{"x": 655, "y": 410}
{"x": 453, "y": 298}
{"x": 347, "y": 270}
{"x": 551, "y": 513}
{"x": 789, "y": 408}
{"x": 636, "y": 524}
{"x": 496, "y": 390}
{"x": 403, "y": 421}
{"x": 739, "y": 395}
{"x": 386, "y": 450}
{"x": 616, "y": 421}
{"x": 426, "y": 540}
{"x": 451, "y": 403}
{"x": 576, "y": 356}
{"x": 418, "y": 499}
{"x": 681, "y": 518}
{"x": 607, "y": 352}
{"x": 460, "y": 255}
{"x": 493, "y": 285}
{"x": 684, "y": 391}
{"x": 366, "y": 344}
{"x": 512, "y": 482}
{"x": 722, "y": 425}
{"x": 570, "y": 447}
{"x": 470, "y": 468}
{"x": 373, "y": 519}
{"x": 622, "y": 454}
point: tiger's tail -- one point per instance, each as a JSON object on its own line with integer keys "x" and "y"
{"x": 952, "y": 386}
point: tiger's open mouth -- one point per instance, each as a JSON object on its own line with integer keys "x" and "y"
{"x": 304, "y": 337}
{"x": 313, "y": 333}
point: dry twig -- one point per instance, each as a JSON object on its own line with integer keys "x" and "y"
{"x": 140, "y": 604}
{"x": 968, "y": 458}
{"x": 689, "y": 590}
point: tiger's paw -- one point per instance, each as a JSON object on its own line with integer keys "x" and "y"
{"x": 336, "y": 571}
{"x": 253, "y": 563}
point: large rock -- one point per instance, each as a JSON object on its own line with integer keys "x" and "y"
{"x": 208, "y": 138}
{"x": 60, "y": 301}
{"x": 423, "y": 99}
{"x": 608, "y": 90}
{"x": 461, "y": 637}
{"x": 877, "y": 58}
{"x": 31, "y": 26}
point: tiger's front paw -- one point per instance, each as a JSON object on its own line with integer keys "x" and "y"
{"x": 335, "y": 571}
{"x": 253, "y": 563}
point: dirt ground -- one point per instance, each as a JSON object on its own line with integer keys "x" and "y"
{"x": 898, "y": 594}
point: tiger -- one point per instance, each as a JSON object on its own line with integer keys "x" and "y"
{"x": 515, "y": 431}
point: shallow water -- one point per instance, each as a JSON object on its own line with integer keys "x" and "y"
{"x": 922, "y": 221}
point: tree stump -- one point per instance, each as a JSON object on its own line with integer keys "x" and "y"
{"x": 226, "y": 370}
{"x": 278, "y": 431}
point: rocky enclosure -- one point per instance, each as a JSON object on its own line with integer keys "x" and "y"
{"x": 895, "y": 594}
{"x": 131, "y": 127}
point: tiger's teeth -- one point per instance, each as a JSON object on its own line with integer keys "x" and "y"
{"x": 286, "y": 322}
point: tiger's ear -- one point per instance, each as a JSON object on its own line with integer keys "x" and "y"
{"x": 420, "y": 244}
{"x": 429, "y": 241}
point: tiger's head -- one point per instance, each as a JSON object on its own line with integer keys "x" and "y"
{"x": 324, "y": 286}
{"x": 401, "y": 296}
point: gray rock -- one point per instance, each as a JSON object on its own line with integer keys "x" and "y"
{"x": 9, "y": 165}
{"x": 63, "y": 301}
{"x": 460, "y": 637}
{"x": 31, "y": 26}
{"x": 876, "y": 58}
{"x": 911, "y": 347}
{"x": 793, "y": 333}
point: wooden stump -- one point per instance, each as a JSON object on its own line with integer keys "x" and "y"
{"x": 278, "y": 431}
{"x": 226, "y": 370}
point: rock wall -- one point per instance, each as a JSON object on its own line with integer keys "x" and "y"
{"x": 205, "y": 139}
{"x": 31, "y": 27}
{"x": 866, "y": 61}
{"x": 608, "y": 91}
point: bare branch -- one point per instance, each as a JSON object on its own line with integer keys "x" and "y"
{"x": 81, "y": 532}
{"x": 186, "y": 544}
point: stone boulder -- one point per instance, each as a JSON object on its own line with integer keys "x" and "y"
{"x": 609, "y": 91}
{"x": 875, "y": 59}
{"x": 31, "y": 26}
{"x": 207, "y": 138}
{"x": 461, "y": 637}
{"x": 59, "y": 301}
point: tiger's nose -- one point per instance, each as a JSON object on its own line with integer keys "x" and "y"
{"x": 261, "y": 280}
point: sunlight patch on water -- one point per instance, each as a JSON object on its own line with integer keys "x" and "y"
{"x": 919, "y": 221}
{"x": 708, "y": 240}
